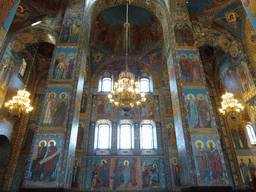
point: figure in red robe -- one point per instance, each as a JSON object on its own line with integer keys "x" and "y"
{"x": 215, "y": 162}
{"x": 50, "y": 164}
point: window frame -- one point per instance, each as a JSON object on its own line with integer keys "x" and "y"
{"x": 251, "y": 133}
{"x": 22, "y": 68}
{"x": 153, "y": 137}
{"x": 120, "y": 124}
{"x": 101, "y": 82}
{"x": 96, "y": 135}
{"x": 146, "y": 75}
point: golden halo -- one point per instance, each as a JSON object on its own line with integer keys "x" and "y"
{"x": 16, "y": 46}
{"x": 66, "y": 95}
{"x": 76, "y": 159}
{"x": 61, "y": 54}
{"x": 191, "y": 55}
{"x": 177, "y": 23}
{"x": 184, "y": 55}
{"x": 127, "y": 24}
{"x": 190, "y": 95}
{"x": 45, "y": 142}
{"x": 71, "y": 55}
{"x": 200, "y": 97}
{"x": 174, "y": 158}
{"x": 208, "y": 143}
{"x": 199, "y": 141}
{"x": 103, "y": 160}
{"x": 77, "y": 21}
{"x": 54, "y": 143}
{"x": 21, "y": 9}
{"x": 33, "y": 126}
{"x": 154, "y": 165}
{"x": 127, "y": 162}
{"x": 69, "y": 21}
{"x": 170, "y": 125}
{"x": 185, "y": 23}
{"x": 53, "y": 94}
{"x": 81, "y": 123}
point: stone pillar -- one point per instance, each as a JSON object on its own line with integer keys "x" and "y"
{"x": 250, "y": 8}
{"x": 199, "y": 150}
{"x": 50, "y": 164}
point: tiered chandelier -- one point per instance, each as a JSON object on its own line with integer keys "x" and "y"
{"x": 20, "y": 104}
{"x": 230, "y": 106}
{"x": 126, "y": 93}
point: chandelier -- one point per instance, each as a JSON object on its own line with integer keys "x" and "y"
{"x": 230, "y": 106}
{"x": 126, "y": 93}
{"x": 20, "y": 104}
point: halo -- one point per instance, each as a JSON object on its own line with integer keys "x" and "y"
{"x": 77, "y": 21}
{"x": 189, "y": 95}
{"x": 53, "y": 94}
{"x": 66, "y": 95}
{"x": 154, "y": 165}
{"x": 42, "y": 142}
{"x": 11, "y": 63}
{"x": 174, "y": 158}
{"x": 68, "y": 20}
{"x": 184, "y": 54}
{"x": 127, "y": 162}
{"x": 185, "y": 23}
{"x": 76, "y": 159}
{"x": 71, "y": 55}
{"x": 81, "y": 123}
{"x": 170, "y": 125}
{"x": 199, "y": 141}
{"x": 177, "y": 23}
{"x": 103, "y": 160}
{"x": 54, "y": 143}
{"x": 33, "y": 126}
{"x": 200, "y": 97}
{"x": 61, "y": 54}
{"x": 208, "y": 145}
{"x": 192, "y": 55}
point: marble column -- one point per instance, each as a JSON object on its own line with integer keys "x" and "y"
{"x": 51, "y": 159}
{"x": 199, "y": 151}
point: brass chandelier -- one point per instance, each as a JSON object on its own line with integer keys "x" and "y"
{"x": 20, "y": 104}
{"x": 230, "y": 106}
{"x": 126, "y": 93}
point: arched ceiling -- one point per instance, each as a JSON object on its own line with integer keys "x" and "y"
{"x": 108, "y": 32}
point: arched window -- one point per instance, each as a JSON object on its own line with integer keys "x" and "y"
{"x": 251, "y": 134}
{"x": 125, "y": 136}
{"x": 148, "y": 136}
{"x": 23, "y": 67}
{"x": 145, "y": 82}
{"x": 106, "y": 82}
{"x": 102, "y": 140}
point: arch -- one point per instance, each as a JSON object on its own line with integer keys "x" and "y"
{"x": 157, "y": 7}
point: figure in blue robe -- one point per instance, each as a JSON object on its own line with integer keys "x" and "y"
{"x": 118, "y": 172}
{"x": 244, "y": 171}
{"x": 192, "y": 111}
{"x": 105, "y": 174}
{"x": 126, "y": 173}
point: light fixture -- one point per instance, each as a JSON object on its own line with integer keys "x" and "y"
{"x": 126, "y": 93}
{"x": 230, "y": 106}
{"x": 20, "y": 104}
{"x": 36, "y": 23}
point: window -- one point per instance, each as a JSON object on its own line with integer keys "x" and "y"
{"x": 251, "y": 134}
{"x": 145, "y": 82}
{"x": 144, "y": 85}
{"x": 125, "y": 135}
{"x": 148, "y": 135}
{"x": 102, "y": 139}
{"x": 105, "y": 82}
{"x": 23, "y": 67}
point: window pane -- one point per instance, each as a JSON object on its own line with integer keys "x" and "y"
{"x": 147, "y": 137}
{"x": 106, "y": 84}
{"x": 144, "y": 85}
{"x": 125, "y": 137}
{"x": 103, "y": 140}
{"x": 23, "y": 67}
{"x": 251, "y": 134}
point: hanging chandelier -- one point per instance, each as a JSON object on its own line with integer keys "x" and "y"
{"x": 126, "y": 93}
{"x": 20, "y": 104}
{"x": 230, "y": 106}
